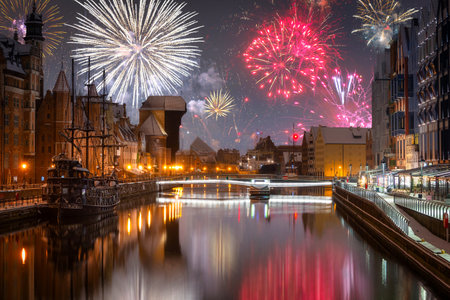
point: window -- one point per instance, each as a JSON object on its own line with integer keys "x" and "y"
{"x": 6, "y": 161}
{"x": 43, "y": 149}
{"x": 16, "y": 161}
{"x": 16, "y": 121}
{"x": 6, "y": 139}
{"x": 6, "y": 100}
{"x": 16, "y": 140}
{"x": 6, "y": 120}
{"x": 49, "y": 149}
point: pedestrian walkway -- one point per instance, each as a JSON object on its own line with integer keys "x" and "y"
{"x": 421, "y": 234}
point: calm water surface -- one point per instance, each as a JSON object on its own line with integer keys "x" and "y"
{"x": 198, "y": 247}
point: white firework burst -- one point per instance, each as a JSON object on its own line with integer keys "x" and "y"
{"x": 145, "y": 46}
{"x": 218, "y": 104}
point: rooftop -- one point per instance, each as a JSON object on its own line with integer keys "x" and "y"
{"x": 167, "y": 103}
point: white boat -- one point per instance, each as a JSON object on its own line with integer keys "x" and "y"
{"x": 260, "y": 189}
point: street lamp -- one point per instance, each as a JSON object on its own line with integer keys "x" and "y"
{"x": 24, "y": 167}
{"x": 422, "y": 162}
{"x": 383, "y": 164}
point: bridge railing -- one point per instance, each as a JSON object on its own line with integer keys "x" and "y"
{"x": 398, "y": 218}
{"x": 433, "y": 209}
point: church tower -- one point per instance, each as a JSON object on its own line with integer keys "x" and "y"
{"x": 34, "y": 83}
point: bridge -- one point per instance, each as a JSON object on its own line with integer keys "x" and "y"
{"x": 246, "y": 183}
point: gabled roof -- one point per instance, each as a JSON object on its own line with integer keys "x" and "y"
{"x": 167, "y": 103}
{"x": 151, "y": 126}
{"x": 61, "y": 84}
{"x": 343, "y": 135}
{"x": 201, "y": 148}
{"x": 11, "y": 50}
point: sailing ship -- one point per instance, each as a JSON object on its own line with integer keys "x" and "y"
{"x": 71, "y": 190}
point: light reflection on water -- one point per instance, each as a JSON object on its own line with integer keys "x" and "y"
{"x": 189, "y": 246}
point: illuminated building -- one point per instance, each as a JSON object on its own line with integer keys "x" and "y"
{"x": 22, "y": 91}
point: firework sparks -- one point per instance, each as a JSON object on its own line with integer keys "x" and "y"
{"x": 218, "y": 104}
{"x": 147, "y": 47}
{"x": 290, "y": 53}
{"x": 349, "y": 99}
{"x": 380, "y": 20}
{"x": 14, "y": 13}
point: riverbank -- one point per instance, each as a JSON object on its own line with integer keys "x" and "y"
{"x": 385, "y": 232}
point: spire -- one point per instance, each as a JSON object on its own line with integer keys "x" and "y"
{"x": 61, "y": 84}
{"x": 34, "y": 6}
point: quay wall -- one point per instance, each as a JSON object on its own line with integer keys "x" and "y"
{"x": 370, "y": 221}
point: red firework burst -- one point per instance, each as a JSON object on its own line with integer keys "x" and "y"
{"x": 291, "y": 52}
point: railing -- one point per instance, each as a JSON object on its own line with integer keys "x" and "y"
{"x": 399, "y": 220}
{"x": 428, "y": 208}
{"x": 19, "y": 187}
{"x": 29, "y": 201}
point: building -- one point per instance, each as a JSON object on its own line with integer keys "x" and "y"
{"x": 443, "y": 77}
{"x": 308, "y": 152}
{"x": 265, "y": 153}
{"x": 428, "y": 85}
{"x": 380, "y": 108}
{"x": 21, "y": 91}
{"x": 228, "y": 156}
{"x": 290, "y": 156}
{"x": 52, "y": 118}
{"x": 159, "y": 121}
{"x": 339, "y": 151}
{"x": 199, "y": 158}
{"x": 404, "y": 105}
{"x": 130, "y": 156}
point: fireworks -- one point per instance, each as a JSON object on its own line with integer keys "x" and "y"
{"x": 380, "y": 20}
{"x": 348, "y": 99}
{"x": 218, "y": 104}
{"x": 290, "y": 53}
{"x": 14, "y": 13}
{"x": 146, "y": 46}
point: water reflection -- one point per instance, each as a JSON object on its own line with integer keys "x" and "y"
{"x": 189, "y": 246}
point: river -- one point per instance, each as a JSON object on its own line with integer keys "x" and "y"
{"x": 204, "y": 243}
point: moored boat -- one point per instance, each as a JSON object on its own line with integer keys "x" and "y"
{"x": 70, "y": 191}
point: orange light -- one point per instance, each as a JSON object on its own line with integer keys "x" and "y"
{"x": 229, "y": 168}
{"x": 149, "y": 167}
{"x": 140, "y": 221}
{"x": 24, "y": 166}
{"x": 204, "y": 168}
{"x": 129, "y": 226}
{"x": 149, "y": 219}
{"x": 340, "y": 167}
{"x": 165, "y": 167}
{"x": 129, "y": 167}
{"x": 24, "y": 256}
{"x": 141, "y": 167}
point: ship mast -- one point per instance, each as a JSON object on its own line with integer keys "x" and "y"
{"x": 73, "y": 107}
{"x": 87, "y": 112}
{"x": 104, "y": 124}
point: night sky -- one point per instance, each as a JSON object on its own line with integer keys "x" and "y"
{"x": 228, "y": 29}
